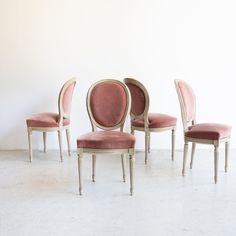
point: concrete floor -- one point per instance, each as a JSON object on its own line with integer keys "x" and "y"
{"x": 41, "y": 198}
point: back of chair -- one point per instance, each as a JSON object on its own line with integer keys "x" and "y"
{"x": 140, "y": 99}
{"x": 65, "y": 98}
{"x": 108, "y": 103}
{"x": 187, "y": 102}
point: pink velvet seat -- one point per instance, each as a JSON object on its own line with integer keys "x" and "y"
{"x": 156, "y": 120}
{"x": 48, "y": 121}
{"x": 108, "y": 104}
{"x": 206, "y": 133}
{"x": 146, "y": 122}
{"x": 106, "y": 140}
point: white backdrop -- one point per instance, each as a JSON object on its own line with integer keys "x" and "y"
{"x": 45, "y": 42}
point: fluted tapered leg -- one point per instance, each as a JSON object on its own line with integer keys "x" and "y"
{"x": 226, "y": 155}
{"x": 216, "y": 160}
{"x": 68, "y": 141}
{"x": 131, "y": 164}
{"x": 185, "y": 157}
{"x": 173, "y": 144}
{"x": 93, "y": 167}
{"x": 123, "y": 161}
{"x": 192, "y": 154}
{"x": 30, "y": 144}
{"x": 45, "y": 142}
{"x": 60, "y": 144}
{"x": 80, "y": 162}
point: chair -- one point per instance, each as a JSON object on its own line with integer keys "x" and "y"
{"x": 141, "y": 120}
{"x": 108, "y": 103}
{"x": 47, "y": 121}
{"x": 203, "y": 133}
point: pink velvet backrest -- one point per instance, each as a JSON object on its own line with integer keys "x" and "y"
{"x": 108, "y": 102}
{"x": 65, "y": 98}
{"x": 187, "y": 101}
{"x": 139, "y": 97}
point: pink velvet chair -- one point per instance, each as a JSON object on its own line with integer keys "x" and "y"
{"x": 204, "y": 133}
{"x": 47, "y": 121}
{"x": 141, "y": 120}
{"x": 108, "y": 103}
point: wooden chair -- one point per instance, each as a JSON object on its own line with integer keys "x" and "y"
{"x": 146, "y": 122}
{"x": 108, "y": 103}
{"x": 203, "y": 133}
{"x": 48, "y": 122}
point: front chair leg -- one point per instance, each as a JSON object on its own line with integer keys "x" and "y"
{"x": 68, "y": 141}
{"x": 173, "y": 144}
{"x": 192, "y": 154}
{"x": 226, "y": 155}
{"x": 149, "y": 143}
{"x": 216, "y": 160}
{"x": 123, "y": 161}
{"x": 131, "y": 165}
{"x": 45, "y": 141}
{"x": 30, "y": 144}
{"x": 80, "y": 161}
{"x": 146, "y": 145}
{"x": 185, "y": 157}
{"x": 93, "y": 167}
{"x": 60, "y": 144}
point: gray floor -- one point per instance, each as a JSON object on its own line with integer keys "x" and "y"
{"x": 42, "y": 198}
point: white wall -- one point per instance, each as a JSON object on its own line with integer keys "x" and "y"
{"x": 45, "y": 42}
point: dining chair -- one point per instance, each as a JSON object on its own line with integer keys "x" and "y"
{"x": 203, "y": 133}
{"x": 108, "y": 103}
{"x": 142, "y": 120}
{"x": 48, "y": 121}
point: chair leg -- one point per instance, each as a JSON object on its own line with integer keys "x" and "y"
{"x": 60, "y": 144}
{"x": 68, "y": 141}
{"x": 30, "y": 144}
{"x": 226, "y": 155}
{"x": 216, "y": 160}
{"x": 173, "y": 144}
{"x": 45, "y": 142}
{"x": 132, "y": 131}
{"x": 131, "y": 164}
{"x": 192, "y": 154}
{"x": 123, "y": 161}
{"x": 185, "y": 157}
{"x": 93, "y": 167}
{"x": 149, "y": 143}
{"x": 146, "y": 145}
{"x": 80, "y": 161}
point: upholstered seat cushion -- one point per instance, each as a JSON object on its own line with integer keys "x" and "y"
{"x": 106, "y": 140}
{"x": 45, "y": 120}
{"x": 156, "y": 120}
{"x": 209, "y": 131}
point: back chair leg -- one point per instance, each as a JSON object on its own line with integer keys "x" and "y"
{"x": 93, "y": 167}
{"x": 226, "y": 155}
{"x": 149, "y": 142}
{"x": 60, "y": 144}
{"x": 146, "y": 145}
{"x": 45, "y": 141}
{"x": 80, "y": 161}
{"x": 123, "y": 161}
{"x": 68, "y": 141}
{"x": 173, "y": 144}
{"x": 185, "y": 157}
{"x": 131, "y": 164}
{"x": 192, "y": 154}
{"x": 30, "y": 144}
{"x": 216, "y": 160}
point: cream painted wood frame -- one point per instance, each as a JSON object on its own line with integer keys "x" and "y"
{"x": 194, "y": 141}
{"x": 144, "y": 116}
{"x": 59, "y": 128}
{"x": 95, "y": 126}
